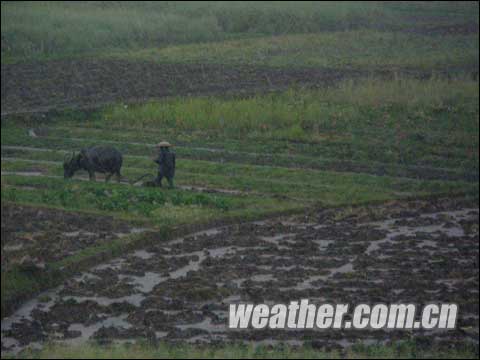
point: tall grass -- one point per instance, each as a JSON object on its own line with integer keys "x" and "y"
{"x": 364, "y": 48}
{"x": 47, "y": 28}
{"x": 300, "y": 114}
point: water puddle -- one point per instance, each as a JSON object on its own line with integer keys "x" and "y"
{"x": 206, "y": 325}
{"x": 143, "y": 254}
{"x": 87, "y": 332}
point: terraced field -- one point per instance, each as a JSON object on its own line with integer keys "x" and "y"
{"x": 70, "y": 225}
{"x": 338, "y": 165}
{"x": 226, "y": 175}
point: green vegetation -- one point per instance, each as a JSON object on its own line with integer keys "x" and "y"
{"x": 165, "y": 207}
{"x": 404, "y": 350}
{"x": 259, "y": 183}
{"x": 140, "y": 202}
{"x": 362, "y": 107}
{"x": 284, "y": 151}
{"x": 365, "y": 50}
{"x": 42, "y": 30}
{"x": 372, "y": 126}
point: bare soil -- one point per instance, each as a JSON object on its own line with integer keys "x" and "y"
{"x": 43, "y": 86}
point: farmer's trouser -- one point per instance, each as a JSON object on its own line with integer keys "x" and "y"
{"x": 160, "y": 176}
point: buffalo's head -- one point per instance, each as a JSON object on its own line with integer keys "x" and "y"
{"x": 71, "y": 165}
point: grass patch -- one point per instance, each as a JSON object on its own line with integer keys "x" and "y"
{"x": 404, "y": 350}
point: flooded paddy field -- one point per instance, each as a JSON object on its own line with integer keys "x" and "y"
{"x": 401, "y": 252}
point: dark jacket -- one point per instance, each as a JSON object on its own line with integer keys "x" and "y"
{"x": 166, "y": 163}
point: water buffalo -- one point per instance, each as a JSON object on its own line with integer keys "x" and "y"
{"x": 103, "y": 159}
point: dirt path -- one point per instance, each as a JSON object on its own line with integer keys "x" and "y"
{"x": 179, "y": 291}
{"x": 43, "y": 86}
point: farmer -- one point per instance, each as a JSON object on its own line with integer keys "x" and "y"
{"x": 166, "y": 163}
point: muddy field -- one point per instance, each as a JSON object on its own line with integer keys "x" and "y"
{"x": 38, "y": 236}
{"x": 43, "y": 86}
{"x": 39, "y": 87}
{"x": 415, "y": 252}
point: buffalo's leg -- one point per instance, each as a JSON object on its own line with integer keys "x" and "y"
{"x": 170, "y": 182}
{"x": 108, "y": 177}
{"x": 91, "y": 175}
{"x": 118, "y": 176}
